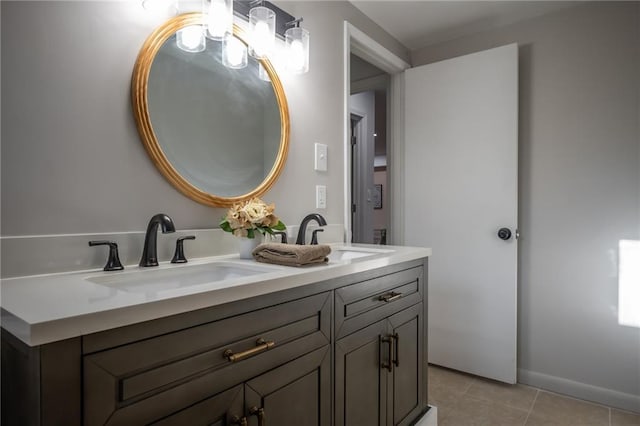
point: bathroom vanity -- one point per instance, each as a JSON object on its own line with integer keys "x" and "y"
{"x": 338, "y": 344}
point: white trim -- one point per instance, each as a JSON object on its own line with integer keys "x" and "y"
{"x": 379, "y": 82}
{"x": 373, "y": 52}
{"x": 613, "y": 398}
{"x": 395, "y": 160}
{"x": 360, "y": 44}
{"x": 430, "y": 418}
{"x": 346, "y": 78}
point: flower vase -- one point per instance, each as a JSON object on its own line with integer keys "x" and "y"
{"x": 246, "y": 246}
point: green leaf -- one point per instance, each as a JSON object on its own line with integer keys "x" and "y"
{"x": 280, "y": 226}
{"x": 250, "y": 233}
{"x": 224, "y": 225}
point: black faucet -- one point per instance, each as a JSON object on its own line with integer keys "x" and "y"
{"x": 303, "y": 226}
{"x": 150, "y": 251}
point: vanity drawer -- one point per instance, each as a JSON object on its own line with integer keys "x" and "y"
{"x": 167, "y": 373}
{"x": 363, "y": 303}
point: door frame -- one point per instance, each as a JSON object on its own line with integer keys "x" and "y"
{"x": 358, "y": 120}
{"x": 360, "y": 44}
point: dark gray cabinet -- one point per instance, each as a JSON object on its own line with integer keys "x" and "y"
{"x": 361, "y": 384}
{"x": 148, "y": 380}
{"x": 379, "y": 372}
{"x": 296, "y": 393}
{"x": 218, "y": 410}
{"x": 380, "y": 355}
{"x": 347, "y": 351}
{"x": 407, "y": 366}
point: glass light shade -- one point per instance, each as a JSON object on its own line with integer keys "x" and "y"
{"x": 262, "y": 30}
{"x": 191, "y": 39}
{"x": 297, "y": 50}
{"x": 234, "y": 53}
{"x": 219, "y": 19}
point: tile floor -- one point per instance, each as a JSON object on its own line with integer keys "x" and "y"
{"x": 465, "y": 400}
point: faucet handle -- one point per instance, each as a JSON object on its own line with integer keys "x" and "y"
{"x": 113, "y": 262}
{"x": 283, "y": 236}
{"x": 314, "y": 236}
{"x": 178, "y": 256}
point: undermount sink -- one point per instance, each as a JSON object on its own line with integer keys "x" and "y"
{"x": 146, "y": 281}
{"x": 348, "y": 253}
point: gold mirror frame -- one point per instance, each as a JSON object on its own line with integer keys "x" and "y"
{"x": 139, "y": 83}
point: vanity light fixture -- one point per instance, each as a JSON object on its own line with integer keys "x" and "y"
{"x": 266, "y": 22}
{"x": 234, "y": 53}
{"x": 219, "y": 19}
{"x": 297, "y": 48}
{"x": 296, "y": 53}
{"x": 262, "y": 31}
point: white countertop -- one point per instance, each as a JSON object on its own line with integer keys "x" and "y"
{"x": 46, "y": 308}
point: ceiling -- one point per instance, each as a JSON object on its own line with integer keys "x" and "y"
{"x": 418, "y": 24}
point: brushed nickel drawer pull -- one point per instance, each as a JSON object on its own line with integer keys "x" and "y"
{"x": 390, "y": 297}
{"x": 261, "y": 346}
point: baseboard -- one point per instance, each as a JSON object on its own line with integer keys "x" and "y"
{"x": 624, "y": 401}
{"x": 430, "y": 418}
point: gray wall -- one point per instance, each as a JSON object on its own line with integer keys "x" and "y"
{"x": 579, "y": 192}
{"x": 72, "y": 161}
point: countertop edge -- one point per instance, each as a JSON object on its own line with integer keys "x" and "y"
{"x": 39, "y": 333}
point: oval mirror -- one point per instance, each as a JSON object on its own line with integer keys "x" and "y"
{"x": 219, "y": 135}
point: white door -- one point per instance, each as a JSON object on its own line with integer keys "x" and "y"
{"x": 461, "y": 164}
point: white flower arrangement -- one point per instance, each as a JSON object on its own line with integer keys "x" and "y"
{"x": 246, "y": 218}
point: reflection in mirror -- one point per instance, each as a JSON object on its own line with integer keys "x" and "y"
{"x": 218, "y": 127}
{"x": 219, "y": 135}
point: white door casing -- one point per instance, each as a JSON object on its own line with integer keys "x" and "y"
{"x": 461, "y": 171}
{"x": 359, "y": 43}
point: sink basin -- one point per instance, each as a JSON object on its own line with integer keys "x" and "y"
{"x": 156, "y": 280}
{"x": 348, "y": 253}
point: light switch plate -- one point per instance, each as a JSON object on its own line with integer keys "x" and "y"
{"x": 321, "y": 197}
{"x": 320, "y": 157}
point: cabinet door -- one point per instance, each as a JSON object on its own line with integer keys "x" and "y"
{"x": 405, "y": 382}
{"x": 360, "y": 380}
{"x": 297, "y": 393}
{"x": 218, "y": 410}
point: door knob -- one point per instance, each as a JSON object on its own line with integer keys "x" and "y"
{"x": 504, "y": 233}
